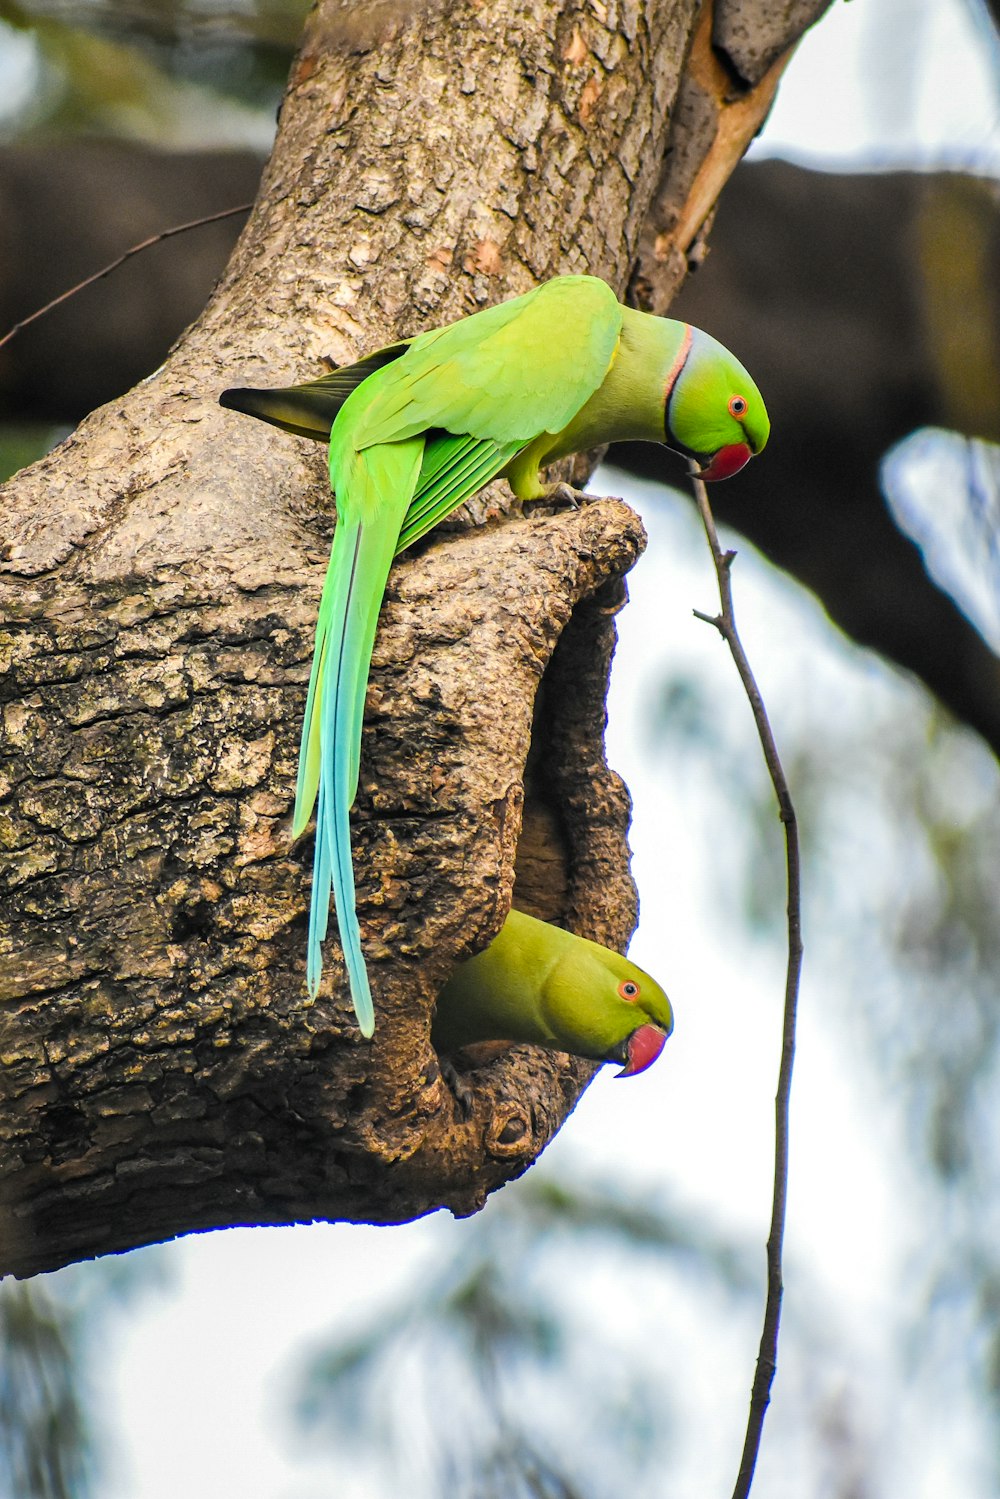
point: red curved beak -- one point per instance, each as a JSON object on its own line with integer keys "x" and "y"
{"x": 726, "y": 462}
{"x": 644, "y": 1046}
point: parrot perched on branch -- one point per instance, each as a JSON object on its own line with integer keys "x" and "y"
{"x": 539, "y": 984}
{"x": 414, "y": 430}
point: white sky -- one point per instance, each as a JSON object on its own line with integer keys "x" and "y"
{"x": 197, "y": 1377}
{"x": 891, "y": 82}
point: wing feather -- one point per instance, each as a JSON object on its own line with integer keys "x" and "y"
{"x": 505, "y": 374}
{"x": 310, "y": 409}
{"x": 458, "y": 467}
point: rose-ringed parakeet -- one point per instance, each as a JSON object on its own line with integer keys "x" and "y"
{"x": 417, "y": 428}
{"x": 540, "y": 984}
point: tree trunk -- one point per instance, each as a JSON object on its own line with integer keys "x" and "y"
{"x": 163, "y": 1068}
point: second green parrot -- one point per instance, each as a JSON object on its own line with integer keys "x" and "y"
{"x": 538, "y": 983}
{"x": 414, "y": 430}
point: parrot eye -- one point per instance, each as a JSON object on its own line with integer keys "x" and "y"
{"x": 628, "y": 990}
{"x": 737, "y": 406}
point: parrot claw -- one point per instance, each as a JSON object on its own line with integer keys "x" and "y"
{"x": 559, "y": 497}
{"x": 564, "y": 495}
{"x": 464, "y": 1095}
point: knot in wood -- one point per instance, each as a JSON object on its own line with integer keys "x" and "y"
{"x": 508, "y": 1131}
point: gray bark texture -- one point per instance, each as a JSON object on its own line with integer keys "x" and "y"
{"x": 163, "y": 1069}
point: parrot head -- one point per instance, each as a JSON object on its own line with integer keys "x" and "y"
{"x": 652, "y": 1009}
{"x": 714, "y": 414}
{"x": 613, "y": 1010}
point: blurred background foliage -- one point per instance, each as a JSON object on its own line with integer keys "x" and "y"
{"x": 569, "y": 1341}
{"x": 168, "y": 74}
{"x": 54, "y": 1333}
{"x": 540, "y": 1400}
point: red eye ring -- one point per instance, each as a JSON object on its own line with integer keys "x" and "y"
{"x": 628, "y": 989}
{"x": 738, "y": 407}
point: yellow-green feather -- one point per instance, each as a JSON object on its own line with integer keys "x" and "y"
{"x": 408, "y": 445}
{"x": 537, "y": 983}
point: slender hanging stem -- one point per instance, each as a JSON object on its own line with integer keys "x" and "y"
{"x": 725, "y": 623}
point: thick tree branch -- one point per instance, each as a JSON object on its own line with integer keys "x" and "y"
{"x": 738, "y": 54}
{"x": 164, "y": 1070}
{"x": 178, "y": 1078}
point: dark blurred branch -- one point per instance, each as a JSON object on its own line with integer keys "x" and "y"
{"x": 53, "y": 1333}
{"x": 992, "y": 8}
{"x": 67, "y": 208}
{"x": 866, "y": 308}
{"x": 47, "y": 1446}
{"x": 462, "y": 1353}
{"x": 725, "y": 623}
{"x": 114, "y": 265}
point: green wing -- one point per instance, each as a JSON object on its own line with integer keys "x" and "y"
{"x": 481, "y": 389}
{"x": 453, "y": 469}
{"x": 485, "y": 387}
{"x": 504, "y": 375}
{"x": 309, "y": 410}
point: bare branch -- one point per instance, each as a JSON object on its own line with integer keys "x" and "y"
{"x": 146, "y": 244}
{"x": 767, "y": 1354}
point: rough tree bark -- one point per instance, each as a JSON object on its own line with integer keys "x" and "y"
{"x": 163, "y": 1070}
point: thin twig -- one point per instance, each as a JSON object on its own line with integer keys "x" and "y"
{"x": 211, "y": 218}
{"x": 767, "y": 1354}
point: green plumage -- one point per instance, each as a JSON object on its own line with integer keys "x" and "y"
{"x": 414, "y": 430}
{"x": 537, "y": 983}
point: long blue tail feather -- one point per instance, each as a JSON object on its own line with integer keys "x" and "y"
{"x": 362, "y": 555}
{"x": 339, "y": 756}
{"x": 319, "y": 904}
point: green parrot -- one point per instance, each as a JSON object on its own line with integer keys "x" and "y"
{"x": 540, "y": 984}
{"x": 417, "y": 428}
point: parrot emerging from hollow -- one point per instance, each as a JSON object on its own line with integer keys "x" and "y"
{"x": 540, "y": 984}
{"x": 417, "y": 428}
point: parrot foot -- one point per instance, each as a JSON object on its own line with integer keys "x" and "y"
{"x": 559, "y": 497}
{"x": 464, "y": 1095}
{"x": 564, "y": 495}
